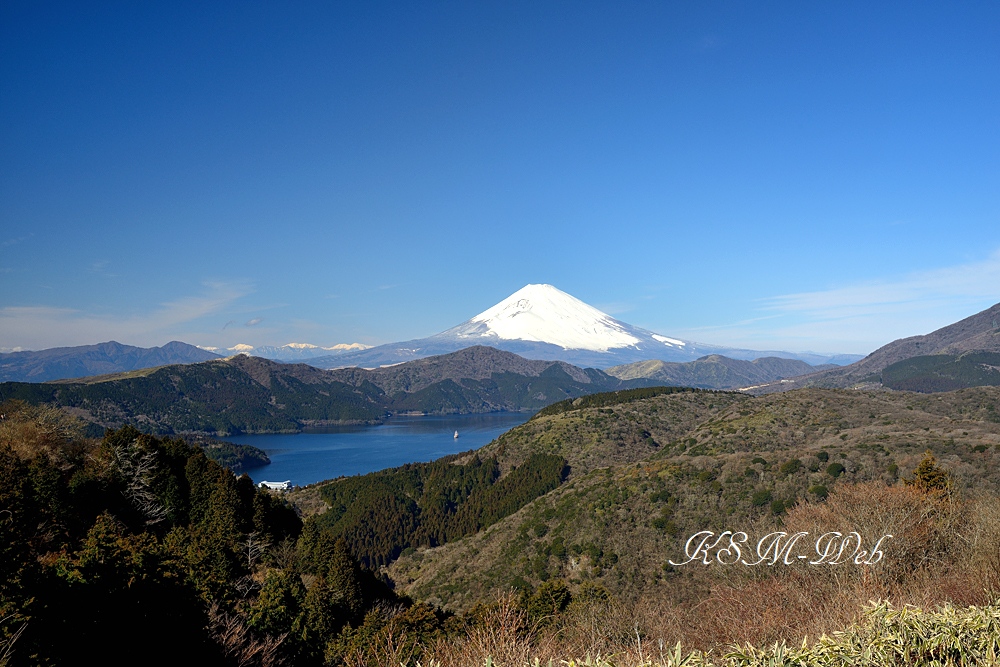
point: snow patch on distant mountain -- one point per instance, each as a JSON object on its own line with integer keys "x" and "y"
{"x": 544, "y": 314}
{"x": 347, "y": 347}
{"x": 294, "y": 351}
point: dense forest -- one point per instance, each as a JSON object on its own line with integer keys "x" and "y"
{"x": 428, "y": 504}
{"x": 137, "y": 549}
{"x": 944, "y": 372}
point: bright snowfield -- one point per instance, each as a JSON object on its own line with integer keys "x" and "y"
{"x": 544, "y": 314}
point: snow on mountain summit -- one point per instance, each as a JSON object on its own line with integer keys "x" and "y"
{"x": 542, "y": 322}
{"x": 544, "y": 314}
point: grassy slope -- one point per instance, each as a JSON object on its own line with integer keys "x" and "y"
{"x": 628, "y": 505}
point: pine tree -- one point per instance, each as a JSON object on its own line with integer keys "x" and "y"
{"x": 929, "y": 478}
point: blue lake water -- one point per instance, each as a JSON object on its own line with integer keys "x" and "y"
{"x": 319, "y": 454}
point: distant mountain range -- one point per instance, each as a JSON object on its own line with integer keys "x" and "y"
{"x": 946, "y": 359}
{"x": 251, "y": 394}
{"x": 86, "y": 360}
{"x": 713, "y": 371}
{"x": 112, "y": 357}
{"x": 542, "y": 322}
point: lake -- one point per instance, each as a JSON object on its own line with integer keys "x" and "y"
{"x": 318, "y": 454}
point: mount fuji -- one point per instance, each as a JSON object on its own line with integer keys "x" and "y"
{"x": 542, "y": 322}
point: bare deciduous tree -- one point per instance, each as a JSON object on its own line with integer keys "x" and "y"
{"x": 136, "y": 468}
{"x": 257, "y": 546}
{"x": 239, "y": 643}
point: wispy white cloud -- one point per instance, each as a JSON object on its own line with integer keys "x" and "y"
{"x": 970, "y": 282}
{"x": 862, "y": 316}
{"x": 254, "y": 322}
{"x": 37, "y": 327}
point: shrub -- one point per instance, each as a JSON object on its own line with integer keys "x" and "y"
{"x": 790, "y": 467}
{"x": 928, "y": 477}
{"x": 819, "y": 491}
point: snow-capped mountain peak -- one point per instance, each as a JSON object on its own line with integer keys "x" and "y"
{"x": 544, "y": 314}
{"x": 542, "y": 322}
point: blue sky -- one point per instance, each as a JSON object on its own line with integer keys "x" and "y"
{"x": 789, "y": 175}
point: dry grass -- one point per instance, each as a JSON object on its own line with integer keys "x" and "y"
{"x": 39, "y": 430}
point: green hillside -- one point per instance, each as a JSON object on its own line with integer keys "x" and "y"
{"x": 944, "y": 372}
{"x": 646, "y": 474}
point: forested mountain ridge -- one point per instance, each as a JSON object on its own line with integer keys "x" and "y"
{"x": 714, "y": 371}
{"x": 473, "y": 363}
{"x": 252, "y": 394}
{"x": 240, "y": 394}
{"x": 943, "y": 372}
